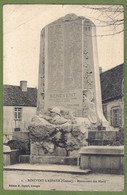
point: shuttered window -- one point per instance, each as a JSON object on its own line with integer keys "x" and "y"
{"x": 116, "y": 117}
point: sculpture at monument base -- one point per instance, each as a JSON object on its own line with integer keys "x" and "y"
{"x": 58, "y": 132}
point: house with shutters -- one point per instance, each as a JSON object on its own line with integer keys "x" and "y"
{"x": 112, "y": 89}
{"x": 19, "y": 107}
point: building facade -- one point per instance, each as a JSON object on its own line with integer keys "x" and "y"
{"x": 112, "y": 89}
{"x": 19, "y": 107}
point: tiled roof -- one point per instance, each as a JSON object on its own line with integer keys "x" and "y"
{"x": 14, "y": 96}
{"x": 111, "y": 83}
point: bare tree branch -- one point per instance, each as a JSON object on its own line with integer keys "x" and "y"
{"x": 103, "y": 35}
{"x": 107, "y": 9}
{"x": 108, "y": 16}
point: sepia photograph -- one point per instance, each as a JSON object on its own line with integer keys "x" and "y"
{"x": 63, "y": 97}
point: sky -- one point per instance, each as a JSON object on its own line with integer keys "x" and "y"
{"x": 21, "y": 39}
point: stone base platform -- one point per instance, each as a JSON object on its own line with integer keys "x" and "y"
{"x": 103, "y": 159}
{"x": 62, "y": 160}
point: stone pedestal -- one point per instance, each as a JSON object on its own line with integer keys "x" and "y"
{"x": 103, "y": 159}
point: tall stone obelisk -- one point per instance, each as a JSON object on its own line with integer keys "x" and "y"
{"x": 69, "y": 70}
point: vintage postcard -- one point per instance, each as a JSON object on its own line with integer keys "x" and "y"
{"x": 63, "y": 97}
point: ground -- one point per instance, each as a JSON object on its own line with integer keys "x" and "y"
{"x": 37, "y": 180}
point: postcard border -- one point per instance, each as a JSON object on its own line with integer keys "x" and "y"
{"x": 99, "y": 2}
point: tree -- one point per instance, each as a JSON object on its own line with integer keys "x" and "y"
{"x": 108, "y": 17}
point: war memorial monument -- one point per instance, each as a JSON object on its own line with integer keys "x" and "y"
{"x": 68, "y": 70}
{"x": 69, "y": 102}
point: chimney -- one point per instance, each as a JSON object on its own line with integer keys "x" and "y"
{"x": 23, "y": 86}
{"x": 100, "y": 70}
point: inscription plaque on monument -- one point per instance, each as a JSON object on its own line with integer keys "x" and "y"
{"x": 70, "y": 99}
{"x": 68, "y": 70}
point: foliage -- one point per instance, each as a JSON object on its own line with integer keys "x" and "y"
{"x": 23, "y": 147}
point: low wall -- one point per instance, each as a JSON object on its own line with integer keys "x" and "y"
{"x": 11, "y": 157}
{"x": 103, "y": 159}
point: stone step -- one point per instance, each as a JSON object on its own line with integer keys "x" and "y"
{"x": 47, "y": 168}
{"x": 62, "y": 160}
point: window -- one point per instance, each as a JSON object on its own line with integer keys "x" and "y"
{"x": 105, "y": 110}
{"x": 18, "y": 113}
{"x": 115, "y": 116}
